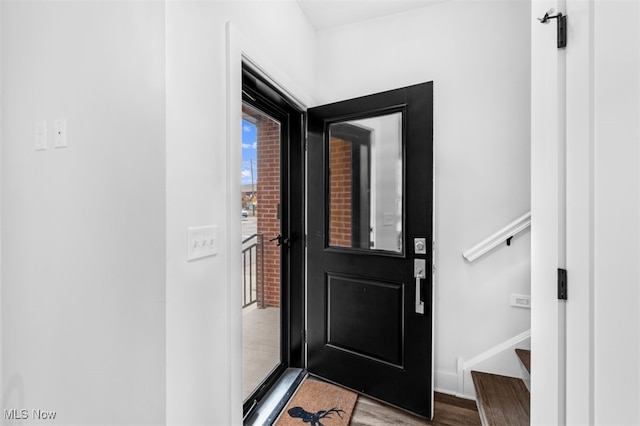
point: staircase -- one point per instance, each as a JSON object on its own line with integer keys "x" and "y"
{"x": 504, "y": 400}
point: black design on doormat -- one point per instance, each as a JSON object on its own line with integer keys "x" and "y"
{"x": 313, "y": 418}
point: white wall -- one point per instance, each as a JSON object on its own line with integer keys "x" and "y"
{"x": 84, "y": 307}
{"x": 478, "y": 56}
{"x": 616, "y": 213}
{"x": 1, "y": 127}
{"x": 83, "y": 228}
{"x": 386, "y": 168}
{"x": 203, "y": 333}
{"x": 386, "y": 172}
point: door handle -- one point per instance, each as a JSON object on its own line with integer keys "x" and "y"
{"x": 280, "y": 240}
{"x": 419, "y": 266}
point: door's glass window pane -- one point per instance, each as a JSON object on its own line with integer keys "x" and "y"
{"x": 365, "y": 183}
{"x": 260, "y": 258}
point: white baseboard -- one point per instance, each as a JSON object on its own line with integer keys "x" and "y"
{"x": 446, "y": 382}
{"x": 500, "y": 359}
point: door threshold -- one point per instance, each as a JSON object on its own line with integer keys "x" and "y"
{"x": 266, "y": 411}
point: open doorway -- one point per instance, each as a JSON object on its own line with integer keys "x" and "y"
{"x": 272, "y": 204}
{"x": 260, "y": 259}
{"x": 369, "y": 309}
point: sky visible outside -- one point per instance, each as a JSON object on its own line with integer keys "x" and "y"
{"x": 249, "y": 151}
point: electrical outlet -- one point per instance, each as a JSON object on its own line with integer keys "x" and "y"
{"x": 521, "y": 301}
{"x": 60, "y": 133}
{"x": 202, "y": 242}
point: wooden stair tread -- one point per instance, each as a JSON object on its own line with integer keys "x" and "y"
{"x": 501, "y": 400}
{"x": 525, "y": 357}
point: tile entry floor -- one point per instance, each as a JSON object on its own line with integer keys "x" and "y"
{"x": 260, "y": 345}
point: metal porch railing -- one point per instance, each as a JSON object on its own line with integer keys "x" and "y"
{"x": 253, "y": 271}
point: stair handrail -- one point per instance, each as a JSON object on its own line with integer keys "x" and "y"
{"x": 503, "y": 235}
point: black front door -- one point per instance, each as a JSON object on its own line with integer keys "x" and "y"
{"x": 370, "y": 210}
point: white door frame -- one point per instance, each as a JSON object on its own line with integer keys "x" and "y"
{"x": 580, "y": 213}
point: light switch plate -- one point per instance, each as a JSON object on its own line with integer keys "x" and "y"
{"x": 202, "y": 242}
{"x": 41, "y": 136}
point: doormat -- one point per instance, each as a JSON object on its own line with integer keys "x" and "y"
{"x": 317, "y": 403}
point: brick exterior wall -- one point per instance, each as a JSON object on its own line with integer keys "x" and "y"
{"x": 340, "y": 193}
{"x": 268, "y": 200}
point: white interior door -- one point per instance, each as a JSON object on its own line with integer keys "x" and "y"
{"x": 548, "y": 235}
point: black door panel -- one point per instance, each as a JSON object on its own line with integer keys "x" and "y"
{"x": 363, "y": 328}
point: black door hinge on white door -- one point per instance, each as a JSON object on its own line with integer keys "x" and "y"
{"x": 562, "y": 26}
{"x": 562, "y": 284}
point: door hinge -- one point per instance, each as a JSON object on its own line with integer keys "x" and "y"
{"x": 562, "y": 31}
{"x": 562, "y": 284}
{"x": 561, "y": 28}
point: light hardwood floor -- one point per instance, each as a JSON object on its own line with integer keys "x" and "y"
{"x": 448, "y": 411}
